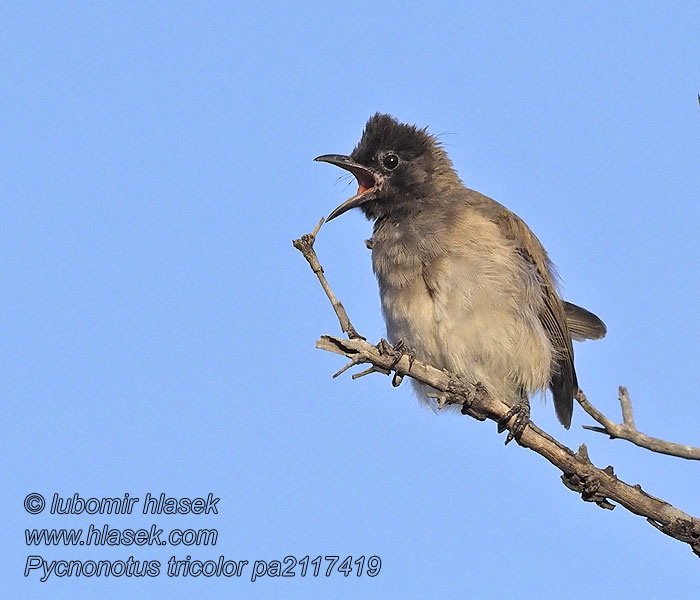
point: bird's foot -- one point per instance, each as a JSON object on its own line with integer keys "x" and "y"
{"x": 397, "y": 351}
{"x": 521, "y": 411}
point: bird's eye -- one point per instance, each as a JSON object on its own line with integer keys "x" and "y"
{"x": 390, "y": 161}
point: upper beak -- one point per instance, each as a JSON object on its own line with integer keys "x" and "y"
{"x": 366, "y": 180}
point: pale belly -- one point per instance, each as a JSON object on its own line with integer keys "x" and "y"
{"x": 472, "y": 325}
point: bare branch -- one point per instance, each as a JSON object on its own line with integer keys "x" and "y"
{"x": 305, "y": 245}
{"x": 355, "y": 361}
{"x": 578, "y": 472}
{"x": 628, "y": 431}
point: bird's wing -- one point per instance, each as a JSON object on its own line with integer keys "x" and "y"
{"x": 563, "y": 381}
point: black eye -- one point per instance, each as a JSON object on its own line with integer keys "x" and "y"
{"x": 390, "y": 161}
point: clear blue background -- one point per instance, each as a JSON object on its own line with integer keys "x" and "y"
{"x": 158, "y": 328}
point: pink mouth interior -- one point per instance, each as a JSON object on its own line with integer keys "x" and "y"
{"x": 365, "y": 180}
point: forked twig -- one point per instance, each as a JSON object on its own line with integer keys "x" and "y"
{"x": 627, "y": 430}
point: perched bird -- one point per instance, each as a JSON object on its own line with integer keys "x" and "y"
{"x": 463, "y": 281}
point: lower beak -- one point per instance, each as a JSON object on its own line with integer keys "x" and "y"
{"x": 366, "y": 180}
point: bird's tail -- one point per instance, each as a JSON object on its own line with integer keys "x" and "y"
{"x": 564, "y": 389}
{"x": 583, "y": 324}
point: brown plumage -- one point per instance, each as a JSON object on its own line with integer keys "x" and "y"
{"x": 463, "y": 281}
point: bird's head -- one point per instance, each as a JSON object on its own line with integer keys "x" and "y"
{"x": 395, "y": 166}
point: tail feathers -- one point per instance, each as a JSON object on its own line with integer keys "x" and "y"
{"x": 564, "y": 389}
{"x": 583, "y": 324}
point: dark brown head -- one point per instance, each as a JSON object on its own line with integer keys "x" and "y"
{"x": 396, "y": 166}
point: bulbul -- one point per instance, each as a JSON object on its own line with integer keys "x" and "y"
{"x": 464, "y": 283}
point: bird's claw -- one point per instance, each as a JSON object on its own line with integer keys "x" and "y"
{"x": 398, "y": 351}
{"x": 440, "y": 400}
{"x": 521, "y": 411}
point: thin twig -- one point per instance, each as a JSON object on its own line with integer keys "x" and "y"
{"x": 628, "y": 431}
{"x": 305, "y": 245}
{"x": 579, "y": 474}
{"x": 626, "y": 406}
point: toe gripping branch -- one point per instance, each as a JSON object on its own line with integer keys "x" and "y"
{"x": 521, "y": 411}
{"x": 397, "y": 351}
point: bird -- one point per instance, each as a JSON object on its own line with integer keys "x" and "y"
{"x": 464, "y": 283}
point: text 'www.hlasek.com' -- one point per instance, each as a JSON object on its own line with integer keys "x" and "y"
{"x": 98, "y": 535}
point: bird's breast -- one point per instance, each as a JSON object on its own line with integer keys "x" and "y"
{"x": 466, "y": 306}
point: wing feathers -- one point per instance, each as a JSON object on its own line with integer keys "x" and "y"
{"x": 563, "y": 381}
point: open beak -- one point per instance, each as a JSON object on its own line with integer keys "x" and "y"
{"x": 367, "y": 180}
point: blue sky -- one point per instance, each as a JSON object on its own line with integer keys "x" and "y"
{"x": 158, "y": 327}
